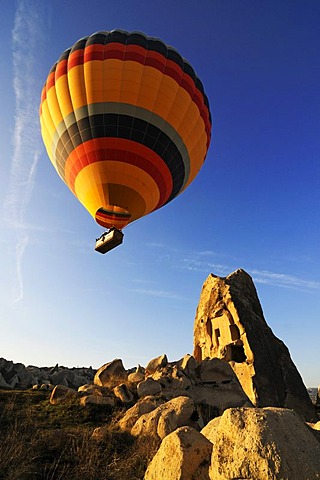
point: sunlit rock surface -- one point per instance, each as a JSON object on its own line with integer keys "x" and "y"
{"x": 230, "y": 325}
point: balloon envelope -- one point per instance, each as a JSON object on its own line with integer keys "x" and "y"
{"x": 126, "y": 124}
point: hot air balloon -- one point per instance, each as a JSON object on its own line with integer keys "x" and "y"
{"x": 126, "y": 124}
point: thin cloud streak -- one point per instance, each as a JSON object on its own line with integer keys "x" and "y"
{"x": 284, "y": 280}
{"x": 197, "y": 262}
{"x": 27, "y": 38}
{"x": 20, "y": 249}
{"x": 157, "y": 293}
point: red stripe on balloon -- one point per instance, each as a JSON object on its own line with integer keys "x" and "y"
{"x": 152, "y": 58}
{"x": 120, "y": 150}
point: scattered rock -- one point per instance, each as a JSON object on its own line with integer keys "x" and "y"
{"x": 315, "y": 429}
{"x": 137, "y": 376}
{"x": 61, "y": 394}
{"x": 90, "y": 389}
{"x": 144, "y": 405}
{"x": 214, "y": 371}
{"x": 188, "y": 366}
{"x": 123, "y": 393}
{"x": 165, "y": 418}
{"x": 316, "y": 426}
{"x": 111, "y": 374}
{"x": 183, "y": 455}
{"x": 17, "y": 375}
{"x": 148, "y": 387}
{"x": 67, "y": 377}
{"x": 156, "y": 363}
{"x": 46, "y": 386}
{"x": 97, "y": 400}
{"x": 100, "y": 434}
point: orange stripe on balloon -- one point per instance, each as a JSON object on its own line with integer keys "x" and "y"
{"x": 120, "y": 51}
{"x": 122, "y": 150}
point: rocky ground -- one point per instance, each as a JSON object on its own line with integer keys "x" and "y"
{"x": 237, "y": 408}
{"x": 168, "y": 420}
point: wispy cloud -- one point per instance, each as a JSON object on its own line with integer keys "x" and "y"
{"x": 27, "y": 40}
{"x": 20, "y": 248}
{"x": 283, "y": 280}
{"x": 157, "y": 293}
{"x": 203, "y": 262}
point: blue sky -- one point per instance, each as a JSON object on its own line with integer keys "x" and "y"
{"x": 254, "y": 205}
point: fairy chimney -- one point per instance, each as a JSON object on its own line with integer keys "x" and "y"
{"x": 230, "y": 325}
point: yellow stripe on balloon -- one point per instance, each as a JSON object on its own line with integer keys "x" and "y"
{"x": 89, "y": 180}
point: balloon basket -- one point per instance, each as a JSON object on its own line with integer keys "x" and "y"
{"x": 109, "y": 240}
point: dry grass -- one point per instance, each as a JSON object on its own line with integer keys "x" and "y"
{"x": 39, "y": 441}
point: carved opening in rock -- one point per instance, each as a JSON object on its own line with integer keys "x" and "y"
{"x": 217, "y": 335}
{"x": 235, "y": 332}
{"x": 237, "y": 353}
{"x": 209, "y": 327}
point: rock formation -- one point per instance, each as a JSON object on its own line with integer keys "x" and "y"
{"x": 209, "y": 430}
{"x": 17, "y": 375}
{"x": 230, "y": 325}
{"x": 181, "y": 393}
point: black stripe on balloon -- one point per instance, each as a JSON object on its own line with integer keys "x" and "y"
{"x": 127, "y": 127}
{"x": 150, "y": 43}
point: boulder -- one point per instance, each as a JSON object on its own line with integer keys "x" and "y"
{"x": 90, "y": 389}
{"x": 97, "y": 400}
{"x": 111, "y": 374}
{"x": 3, "y": 383}
{"x": 262, "y": 443}
{"x": 316, "y": 426}
{"x": 137, "y": 376}
{"x": 156, "y": 363}
{"x": 215, "y": 371}
{"x": 188, "y": 366}
{"x": 39, "y": 374}
{"x": 62, "y": 394}
{"x": 230, "y": 325}
{"x": 14, "y": 381}
{"x": 68, "y": 377}
{"x": 183, "y": 455}
{"x": 46, "y": 386}
{"x": 144, "y": 405}
{"x": 214, "y": 400}
{"x": 24, "y": 377}
{"x": 315, "y": 429}
{"x": 168, "y": 378}
{"x": 165, "y": 418}
{"x": 100, "y": 434}
{"x": 123, "y": 393}
{"x": 148, "y": 387}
